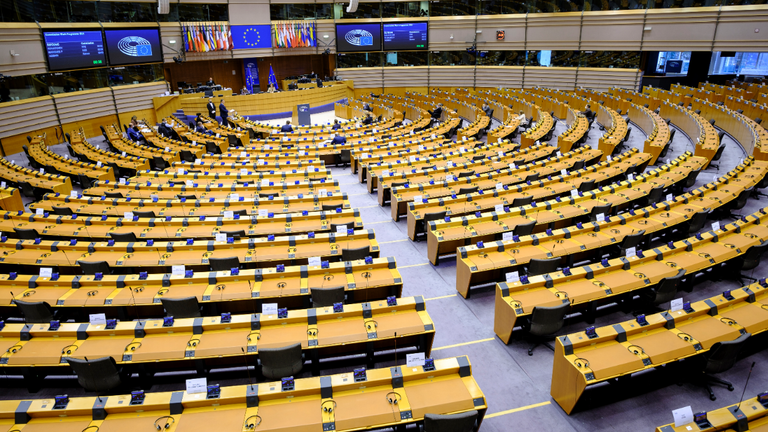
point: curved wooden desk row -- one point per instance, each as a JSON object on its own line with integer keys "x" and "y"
{"x": 66, "y": 227}
{"x": 169, "y": 175}
{"x": 750, "y": 135}
{"x": 17, "y": 174}
{"x": 588, "y": 286}
{"x": 639, "y": 99}
{"x": 479, "y": 265}
{"x": 64, "y": 165}
{"x": 249, "y": 188}
{"x": 615, "y": 129}
{"x": 217, "y": 291}
{"x": 620, "y": 350}
{"x": 578, "y": 126}
{"x": 698, "y": 129}
{"x": 473, "y": 114}
{"x": 492, "y": 195}
{"x": 10, "y": 199}
{"x": 83, "y": 148}
{"x": 478, "y": 173}
{"x": 26, "y": 256}
{"x": 426, "y": 157}
{"x": 358, "y": 405}
{"x": 444, "y": 237}
{"x": 750, "y": 414}
{"x": 165, "y": 147}
{"x": 124, "y": 145}
{"x": 211, "y": 207}
{"x": 655, "y": 128}
{"x": 361, "y": 328}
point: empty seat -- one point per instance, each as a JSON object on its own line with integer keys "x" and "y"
{"x": 277, "y": 363}
{"x": 544, "y": 323}
{"x": 346, "y": 226}
{"x": 332, "y": 207}
{"x": 187, "y": 307}
{"x": 322, "y": 297}
{"x": 355, "y": 254}
{"x": 144, "y": 214}
{"x": 460, "y": 422}
{"x": 223, "y": 264}
{"x": 114, "y": 195}
{"x": 542, "y": 266}
{"x": 469, "y": 190}
{"x": 521, "y": 201}
{"x": 237, "y": 235}
{"x": 35, "y": 312}
{"x": 26, "y": 233}
{"x": 93, "y": 267}
{"x": 98, "y": 375}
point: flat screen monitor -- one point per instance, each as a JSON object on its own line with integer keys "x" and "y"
{"x": 133, "y": 46}
{"x": 399, "y": 36}
{"x": 358, "y": 37}
{"x": 74, "y": 49}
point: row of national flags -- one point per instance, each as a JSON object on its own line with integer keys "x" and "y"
{"x": 199, "y": 37}
{"x": 294, "y": 34}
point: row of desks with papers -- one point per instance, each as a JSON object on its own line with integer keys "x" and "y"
{"x": 751, "y": 414}
{"x": 578, "y": 126}
{"x": 207, "y": 177}
{"x": 129, "y": 257}
{"x": 360, "y": 401}
{"x": 47, "y": 158}
{"x": 443, "y": 237}
{"x": 584, "y": 359}
{"x": 82, "y": 147}
{"x": 178, "y": 228}
{"x": 175, "y": 208}
{"x": 483, "y": 173}
{"x": 171, "y": 343}
{"x": 17, "y": 174}
{"x": 141, "y": 294}
{"x": 479, "y": 265}
{"x": 513, "y": 185}
{"x": 588, "y": 286}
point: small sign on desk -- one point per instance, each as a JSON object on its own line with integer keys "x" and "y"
{"x": 178, "y": 270}
{"x": 676, "y": 304}
{"x": 97, "y": 319}
{"x": 513, "y": 277}
{"x": 269, "y": 309}
{"x": 682, "y": 416}
{"x": 197, "y": 385}
{"x": 413, "y": 360}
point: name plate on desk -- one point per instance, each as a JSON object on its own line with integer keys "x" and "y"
{"x": 197, "y": 385}
{"x": 269, "y": 309}
{"x": 676, "y": 305}
{"x": 682, "y": 416}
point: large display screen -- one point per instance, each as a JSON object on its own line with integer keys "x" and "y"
{"x": 133, "y": 46}
{"x": 358, "y": 37}
{"x": 74, "y": 49}
{"x": 405, "y": 36}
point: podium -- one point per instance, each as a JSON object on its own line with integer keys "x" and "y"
{"x": 301, "y": 115}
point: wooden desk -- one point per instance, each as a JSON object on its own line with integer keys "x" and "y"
{"x": 754, "y": 413}
{"x": 622, "y": 349}
{"x": 655, "y": 128}
{"x": 10, "y": 199}
{"x": 136, "y": 295}
{"x": 16, "y": 174}
{"x": 578, "y": 125}
{"x": 448, "y": 389}
{"x": 82, "y": 147}
{"x": 45, "y": 157}
{"x": 615, "y": 129}
{"x": 698, "y": 129}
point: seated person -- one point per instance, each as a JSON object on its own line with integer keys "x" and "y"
{"x": 487, "y": 110}
{"x": 368, "y": 120}
{"x": 286, "y": 127}
{"x": 244, "y": 91}
{"x": 271, "y": 88}
{"x": 339, "y": 139}
{"x": 367, "y": 107}
{"x": 319, "y": 83}
{"x": 437, "y": 112}
{"x": 165, "y": 130}
{"x": 588, "y": 112}
{"x": 210, "y": 82}
{"x": 293, "y": 86}
{"x": 134, "y": 134}
{"x": 199, "y": 118}
{"x": 336, "y": 125}
{"x": 201, "y": 129}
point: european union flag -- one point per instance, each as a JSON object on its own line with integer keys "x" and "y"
{"x": 252, "y": 36}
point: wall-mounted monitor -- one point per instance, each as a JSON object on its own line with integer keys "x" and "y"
{"x": 133, "y": 46}
{"x": 399, "y": 36}
{"x": 74, "y": 49}
{"x": 359, "y": 37}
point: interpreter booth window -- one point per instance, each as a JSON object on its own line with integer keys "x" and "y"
{"x": 414, "y": 9}
{"x": 451, "y": 58}
{"x": 500, "y": 7}
{"x": 738, "y": 63}
{"x": 128, "y": 12}
{"x": 354, "y": 60}
{"x": 138, "y": 74}
{"x": 297, "y": 11}
{"x": 19, "y": 88}
{"x": 610, "y": 59}
{"x": 452, "y": 8}
{"x": 324, "y": 11}
{"x": 67, "y": 82}
{"x": 364, "y": 10}
{"x": 406, "y": 58}
{"x": 501, "y": 58}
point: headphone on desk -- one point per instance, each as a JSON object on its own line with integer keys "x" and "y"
{"x": 167, "y": 424}
{"x": 88, "y": 427}
{"x": 368, "y": 325}
{"x": 252, "y": 425}
{"x": 193, "y": 342}
{"x": 326, "y": 409}
{"x": 685, "y": 336}
{"x": 394, "y": 399}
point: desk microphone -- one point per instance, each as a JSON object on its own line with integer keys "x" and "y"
{"x": 138, "y": 318}
{"x": 745, "y": 388}
{"x": 247, "y": 368}
{"x": 395, "y": 349}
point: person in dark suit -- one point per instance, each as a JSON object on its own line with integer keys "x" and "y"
{"x": 286, "y": 127}
{"x": 312, "y": 75}
{"x": 134, "y": 134}
{"x": 437, "y": 112}
{"x": 319, "y": 83}
{"x": 223, "y": 111}
{"x": 487, "y": 110}
{"x": 165, "y": 130}
{"x": 201, "y": 129}
{"x": 339, "y": 139}
{"x": 336, "y": 125}
{"x": 368, "y": 120}
{"x": 210, "y": 82}
{"x": 588, "y": 112}
{"x": 367, "y": 107}
{"x": 211, "y": 109}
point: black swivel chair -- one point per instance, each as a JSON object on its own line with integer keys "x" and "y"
{"x": 188, "y": 197}
{"x": 30, "y": 191}
{"x": 663, "y": 292}
{"x": 187, "y": 156}
{"x": 596, "y": 210}
{"x": 629, "y": 241}
{"x": 348, "y": 225}
{"x": 114, "y": 195}
{"x": 93, "y": 267}
{"x": 36, "y": 312}
{"x": 587, "y": 186}
{"x": 355, "y": 254}
{"x": 465, "y": 191}
{"x": 542, "y": 266}
{"x": 521, "y": 201}
{"x": 422, "y": 228}
{"x": 187, "y": 307}
{"x": 211, "y": 147}
{"x": 99, "y": 375}
{"x": 747, "y": 261}
{"x": 144, "y": 214}
{"x": 737, "y": 204}
{"x": 693, "y": 225}
{"x": 717, "y": 156}
{"x": 323, "y": 297}
{"x": 654, "y": 196}
{"x": 524, "y": 229}
{"x": 460, "y": 422}
{"x": 159, "y": 163}
{"x": 332, "y": 207}
{"x": 241, "y": 212}
{"x": 223, "y": 264}
{"x": 128, "y": 237}
{"x": 26, "y": 233}
{"x": 237, "y": 235}
{"x": 278, "y": 363}
{"x": 544, "y": 323}
{"x": 720, "y": 358}
{"x": 466, "y": 174}
{"x": 344, "y": 158}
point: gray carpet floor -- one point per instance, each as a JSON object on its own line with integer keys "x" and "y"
{"x": 516, "y": 386}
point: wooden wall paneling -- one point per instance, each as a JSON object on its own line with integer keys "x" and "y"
{"x": 406, "y": 77}
{"x": 79, "y": 106}
{"x": 687, "y": 29}
{"x": 368, "y": 90}
{"x": 137, "y": 97}
{"x": 736, "y": 29}
{"x": 26, "y": 40}
{"x": 441, "y": 28}
{"x": 249, "y": 12}
{"x": 495, "y": 76}
{"x": 25, "y": 117}
{"x": 144, "y": 114}
{"x": 451, "y": 76}
{"x": 553, "y": 31}
{"x": 90, "y": 125}
{"x": 553, "y": 77}
{"x": 194, "y": 72}
{"x": 363, "y": 77}
{"x": 514, "y": 32}
{"x": 326, "y": 27}
{"x": 166, "y": 105}
{"x": 602, "y": 79}
{"x": 612, "y": 30}
{"x": 168, "y": 32}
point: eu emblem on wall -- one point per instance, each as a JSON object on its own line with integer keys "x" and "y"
{"x": 252, "y": 36}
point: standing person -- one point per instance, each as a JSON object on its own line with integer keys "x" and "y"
{"x": 211, "y": 109}
{"x": 287, "y": 127}
{"x": 336, "y": 125}
{"x": 224, "y": 112}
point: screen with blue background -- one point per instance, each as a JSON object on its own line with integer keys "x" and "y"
{"x": 252, "y": 36}
{"x": 136, "y": 46}
{"x": 405, "y": 36}
{"x": 73, "y": 49}
{"x": 358, "y": 37}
